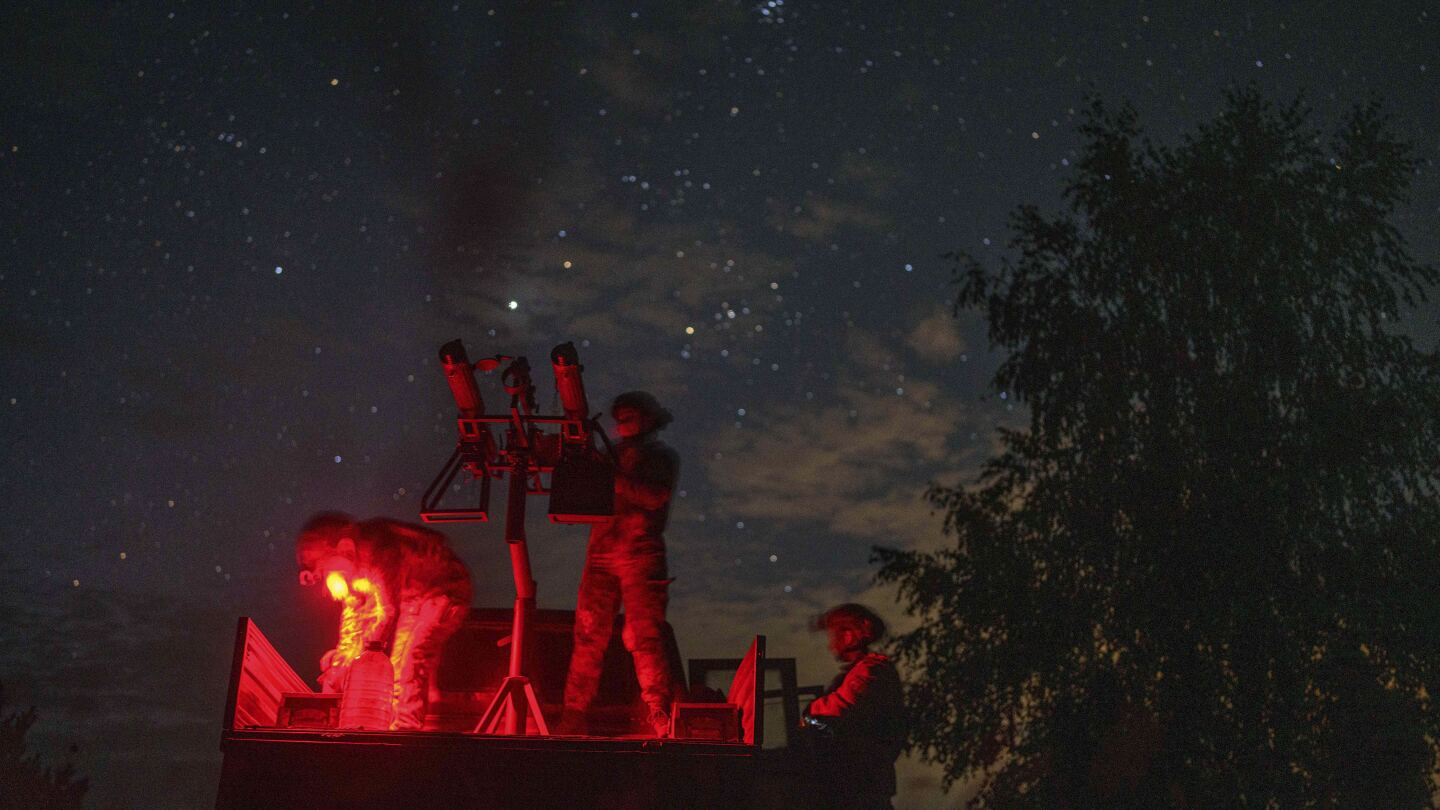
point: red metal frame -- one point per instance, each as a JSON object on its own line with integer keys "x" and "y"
{"x": 259, "y": 678}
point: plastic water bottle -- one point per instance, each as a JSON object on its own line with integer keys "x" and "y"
{"x": 369, "y": 690}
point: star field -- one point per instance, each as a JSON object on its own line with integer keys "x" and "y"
{"x": 236, "y": 238}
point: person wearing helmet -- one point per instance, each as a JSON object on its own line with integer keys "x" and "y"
{"x": 402, "y": 587}
{"x": 625, "y": 565}
{"x": 860, "y": 717}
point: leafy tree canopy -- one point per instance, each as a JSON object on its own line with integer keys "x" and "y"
{"x": 1204, "y": 574}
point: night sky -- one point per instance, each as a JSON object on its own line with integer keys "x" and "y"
{"x": 234, "y": 240}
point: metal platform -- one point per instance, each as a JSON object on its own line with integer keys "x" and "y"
{"x": 267, "y": 766}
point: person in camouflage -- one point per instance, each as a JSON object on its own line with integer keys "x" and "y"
{"x": 401, "y": 583}
{"x": 625, "y": 565}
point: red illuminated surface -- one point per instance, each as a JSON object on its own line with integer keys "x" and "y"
{"x": 303, "y": 768}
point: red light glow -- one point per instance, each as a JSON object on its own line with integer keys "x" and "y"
{"x": 364, "y": 614}
{"x": 339, "y": 588}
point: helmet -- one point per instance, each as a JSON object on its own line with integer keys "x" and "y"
{"x": 320, "y": 535}
{"x": 854, "y": 616}
{"x": 644, "y": 402}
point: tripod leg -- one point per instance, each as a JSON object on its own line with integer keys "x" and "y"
{"x": 540, "y": 725}
{"x": 490, "y": 721}
{"x": 512, "y": 691}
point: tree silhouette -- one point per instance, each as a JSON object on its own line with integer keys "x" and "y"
{"x": 1203, "y": 575}
{"x": 24, "y": 782}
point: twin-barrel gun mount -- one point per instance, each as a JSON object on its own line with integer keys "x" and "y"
{"x": 555, "y": 455}
{"x": 562, "y": 448}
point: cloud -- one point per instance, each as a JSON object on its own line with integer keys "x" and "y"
{"x": 855, "y": 463}
{"x": 937, "y": 338}
{"x": 820, "y": 218}
{"x": 627, "y": 280}
{"x": 627, "y": 83}
{"x": 877, "y": 178}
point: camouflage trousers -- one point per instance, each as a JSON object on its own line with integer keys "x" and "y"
{"x": 637, "y": 581}
{"x": 420, "y": 631}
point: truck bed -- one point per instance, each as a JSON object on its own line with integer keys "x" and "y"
{"x": 268, "y": 766}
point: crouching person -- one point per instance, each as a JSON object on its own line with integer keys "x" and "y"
{"x": 402, "y": 588}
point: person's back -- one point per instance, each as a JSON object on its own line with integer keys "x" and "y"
{"x": 424, "y": 563}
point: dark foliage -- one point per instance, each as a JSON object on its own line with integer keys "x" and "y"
{"x": 1204, "y": 575}
{"x": 24, "y": 782}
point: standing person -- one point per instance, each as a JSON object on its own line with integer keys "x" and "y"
{"x": 861, "y": 714}
{"x": 402, "y": 587}
{"x": 625, "y": 565}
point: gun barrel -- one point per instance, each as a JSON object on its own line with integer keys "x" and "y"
{"x": 566, "y": 362}
{"x": 460, "y": 373}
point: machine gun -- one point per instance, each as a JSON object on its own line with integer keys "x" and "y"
{"x": 581, "y": 484}
{"x": 580, "y": 477}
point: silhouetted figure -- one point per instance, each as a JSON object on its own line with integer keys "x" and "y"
{"x": 625, "y": 565}
{"x": 402, "y": 587}
{"x": 859, "y": 722}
